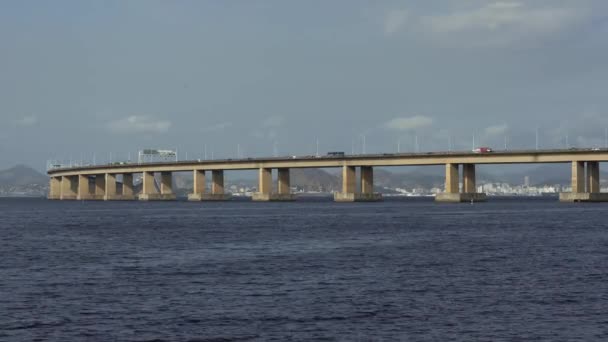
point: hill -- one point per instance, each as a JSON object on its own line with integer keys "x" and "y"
{"x": 22, "y": 175}
{"x": 315, "y": 180}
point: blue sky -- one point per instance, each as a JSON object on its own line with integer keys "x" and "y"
{"x": 84, "y": 77}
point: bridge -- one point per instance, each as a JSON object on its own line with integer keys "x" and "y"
{"x": 74, "y": 183}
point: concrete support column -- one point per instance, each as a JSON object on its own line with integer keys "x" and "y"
{"x": 452, "y": 178}
{"x": 83, "y": 187}
{"x": 100, "y": 186}
{"x": 265, "y": 192}
{"x": 579, "y": 193}
{"x": 452, "y": 192}
{"x": 110, "y": 184}
{"x": 283, "y": 181}
{"x": 217, "y": 182}
{"x": 349, "y": 175}
{"x": 217, "y": 187}
{"x": 149, "y": 192}
{"x": 148, "y": 186}
{"x": 127, "y": 185}
{"x": 468, "y": 179}
{"x": 265, "y": 181}
{"x": 110, "y": 192}
{"x": 69, "y": 187}
{"x": 54, "y": 188}
{"x": 367, "y": 180}
{"x": 593, "y": 177}
{"x": 166, "y": 183}
{"x": 578, "y": 179}
{"x": 198, "y": 182}
{"x": 349, "y": 186}
{"x": 199, "y": 192}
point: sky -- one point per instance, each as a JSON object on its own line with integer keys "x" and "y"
{"x": 103, "y": 79}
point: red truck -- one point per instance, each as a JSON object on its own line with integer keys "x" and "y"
{"x": 482, "y": 150}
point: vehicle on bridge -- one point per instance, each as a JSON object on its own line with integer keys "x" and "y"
{"x": 482, "y": 150}
{"x": 335, "y": 154}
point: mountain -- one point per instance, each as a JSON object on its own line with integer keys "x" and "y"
{"x": 315, "y": 180}
{"x": 22, "y": 175}
{"x": 413, "y": 179}
{"x": 23, "y": 181}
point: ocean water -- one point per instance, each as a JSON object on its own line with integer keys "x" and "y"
{"x": 399, "y": 270}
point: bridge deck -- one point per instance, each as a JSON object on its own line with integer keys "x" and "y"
{"x": 386, "y": 159}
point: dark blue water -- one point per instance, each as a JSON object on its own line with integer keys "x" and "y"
{"x": 409, "y": 270}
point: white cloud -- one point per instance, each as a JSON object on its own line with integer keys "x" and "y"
{"x": 505, "y": 16}
{"x": 217, "y": 127}
{"x": 139, "y": 124}
{"x": 497, "y": 22}
{"x": 27, "y": 121}
{"x": 495, "y": 130}
{"x": 394, "y": 21}
{"x": 409, "y": 123}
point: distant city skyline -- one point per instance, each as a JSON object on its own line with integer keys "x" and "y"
{"x": 83, "y": 79}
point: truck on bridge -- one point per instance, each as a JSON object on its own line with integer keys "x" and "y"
{"x": 482, "y": 150}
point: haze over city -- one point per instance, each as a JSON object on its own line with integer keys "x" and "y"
{"x": 83, "y": 78}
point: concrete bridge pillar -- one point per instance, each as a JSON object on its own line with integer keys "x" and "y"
{"x": 54, "y": 188}
{"x": 349, "y": 174}
{"x": 149, "y": 191}
{"x": 265, "y": 181}
{"x": 69, "y": 187}
{"x": 283, "y": 181}
{"x": 166, "y": 183}
{"x": 100, "y": 186}
{"x": 349, "y": 179}
{"x": 580, "y": 193}
{"x": 452, "y": 178}
{"x": 217, "y": 187}
{"x": 217, "y": 182}
{"x": 83, "y": 188}
{"x": 468, "y": 179}
{"x": 349, "y": 185}
{"x": 199, "y": 184}
{"x": 199, "y": 192}
{"x": 452, "y": 185}
{"x": 110, "y": 190}
{"x": 367, "y": 186}
{"x": 148, "y": 185}
{"x": 367, "y": 180}
{"x": 577, "y": 179}
{"x": 593, "y": 177}
{"x": 127, "y": 186}
{"x": 265, "y": 192}
{"x": 264, "y": 185}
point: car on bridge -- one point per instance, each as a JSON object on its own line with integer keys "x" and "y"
{"x": 482, "y": 150}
